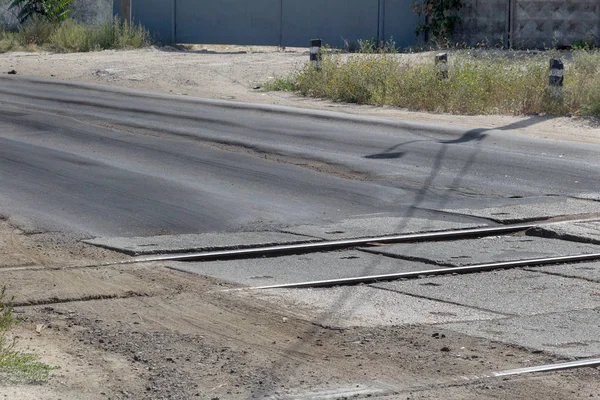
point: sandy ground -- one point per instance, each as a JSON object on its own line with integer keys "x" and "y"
{"x": 233, "y": 73}
{"x": 148, "y": 332}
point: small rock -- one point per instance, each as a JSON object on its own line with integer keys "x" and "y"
{"x": 445, "y": 349}
{"x": 12, "y": 72}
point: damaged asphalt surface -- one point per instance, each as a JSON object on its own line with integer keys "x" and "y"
{"x": 86, "y": 164}
{"x": 114, "y": 162}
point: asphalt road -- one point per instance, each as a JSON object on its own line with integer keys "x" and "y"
{"x": 116, "y": 162}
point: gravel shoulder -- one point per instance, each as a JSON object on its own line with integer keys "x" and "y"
{"x": 233, "y": 73}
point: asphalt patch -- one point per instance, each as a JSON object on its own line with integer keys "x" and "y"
{"x": 513, "y": 292}
{"x": 566, "y": 334}
{"x": 379, "y": 226}
{"x": 459, "y": 253}
{"x": 300, "y": 268}
{"x": 527, "y": 211}
{"x": 584, "y": 232}
{"x": 169, "y": 244}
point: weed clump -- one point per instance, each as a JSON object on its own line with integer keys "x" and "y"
{"x": 479, "y": 82}
{"x": 15, "y": 366}
{"x": 70, "y": 36}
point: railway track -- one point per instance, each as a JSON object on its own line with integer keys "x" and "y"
{"x": 374, "y": 242}
{"x": 423, "y": 238}
{"x": 363, "y": 244}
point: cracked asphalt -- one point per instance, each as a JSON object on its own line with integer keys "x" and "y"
{"x": 136, "y": 169}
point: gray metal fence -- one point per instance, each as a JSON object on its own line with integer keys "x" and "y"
{"x": 275, "y": 22}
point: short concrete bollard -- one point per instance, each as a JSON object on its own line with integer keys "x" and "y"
{"x": 557, "y": 77}
{"x": 441, "y": 63}
{"x": 315, "y": 53}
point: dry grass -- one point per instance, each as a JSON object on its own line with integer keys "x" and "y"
{"x": 15, "y": 366}
{"x": 70, "y": 36}
{"x": 479, "y": 82}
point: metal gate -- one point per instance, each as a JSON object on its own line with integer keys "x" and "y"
{"x": 274, "y": 22}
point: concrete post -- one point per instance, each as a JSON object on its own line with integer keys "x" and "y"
{"x": 315, "y": 53}
{"x": 556, "y": 78}
{"x": 441, "y": 64}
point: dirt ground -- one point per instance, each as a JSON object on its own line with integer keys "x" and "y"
{"x": 233, "y": 73}
{"x": 143, "y": 331}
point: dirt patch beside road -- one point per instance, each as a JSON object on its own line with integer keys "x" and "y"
{"x": 232, "y": 73}
{"x": 19, "y": 248}
{"x": 148, "y": 332}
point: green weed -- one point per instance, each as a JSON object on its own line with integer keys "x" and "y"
{"x": 479, "y": 82}
{"x": 15, "y": 366}
{"x": 8, "y": 41}
{"x": 70, "y": 36}
{"x": 286, "y": 84}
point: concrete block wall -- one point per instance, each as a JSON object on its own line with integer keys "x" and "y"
{"x": 92, "y": 11}
{"x": 8, "y": 18}
{"x": 84, "y": 11}
{"x": 529, "y": 23}
{"x": 549, "y": 23}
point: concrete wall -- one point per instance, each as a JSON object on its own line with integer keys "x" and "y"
{"x": 92, "y": 11}
{"x": 529, "y": 23}
{"x": 84, "y": 11}
{"x": 8, "y": 18}
{"x": 549, "y": 23}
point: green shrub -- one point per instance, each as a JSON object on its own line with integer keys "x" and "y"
{"x": 36, "y": 31}
{"x": 70, "y": 36}
{"x": 479, "y": 82}
{"x": 8, "y": 41}
{"x": 286, "y": 84}
{"x": 73, "y": 37}
{"x": 16, "y": 366}
{"x": 583, "y": 82}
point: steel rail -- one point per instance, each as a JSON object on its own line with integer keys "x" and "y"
{"x": 478, "y": 378}
{"x": 336, "y": 244}
{"x": 439, "y": 271}
{"x": 591, "y": 362}
{"x": 320, "y": 245}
